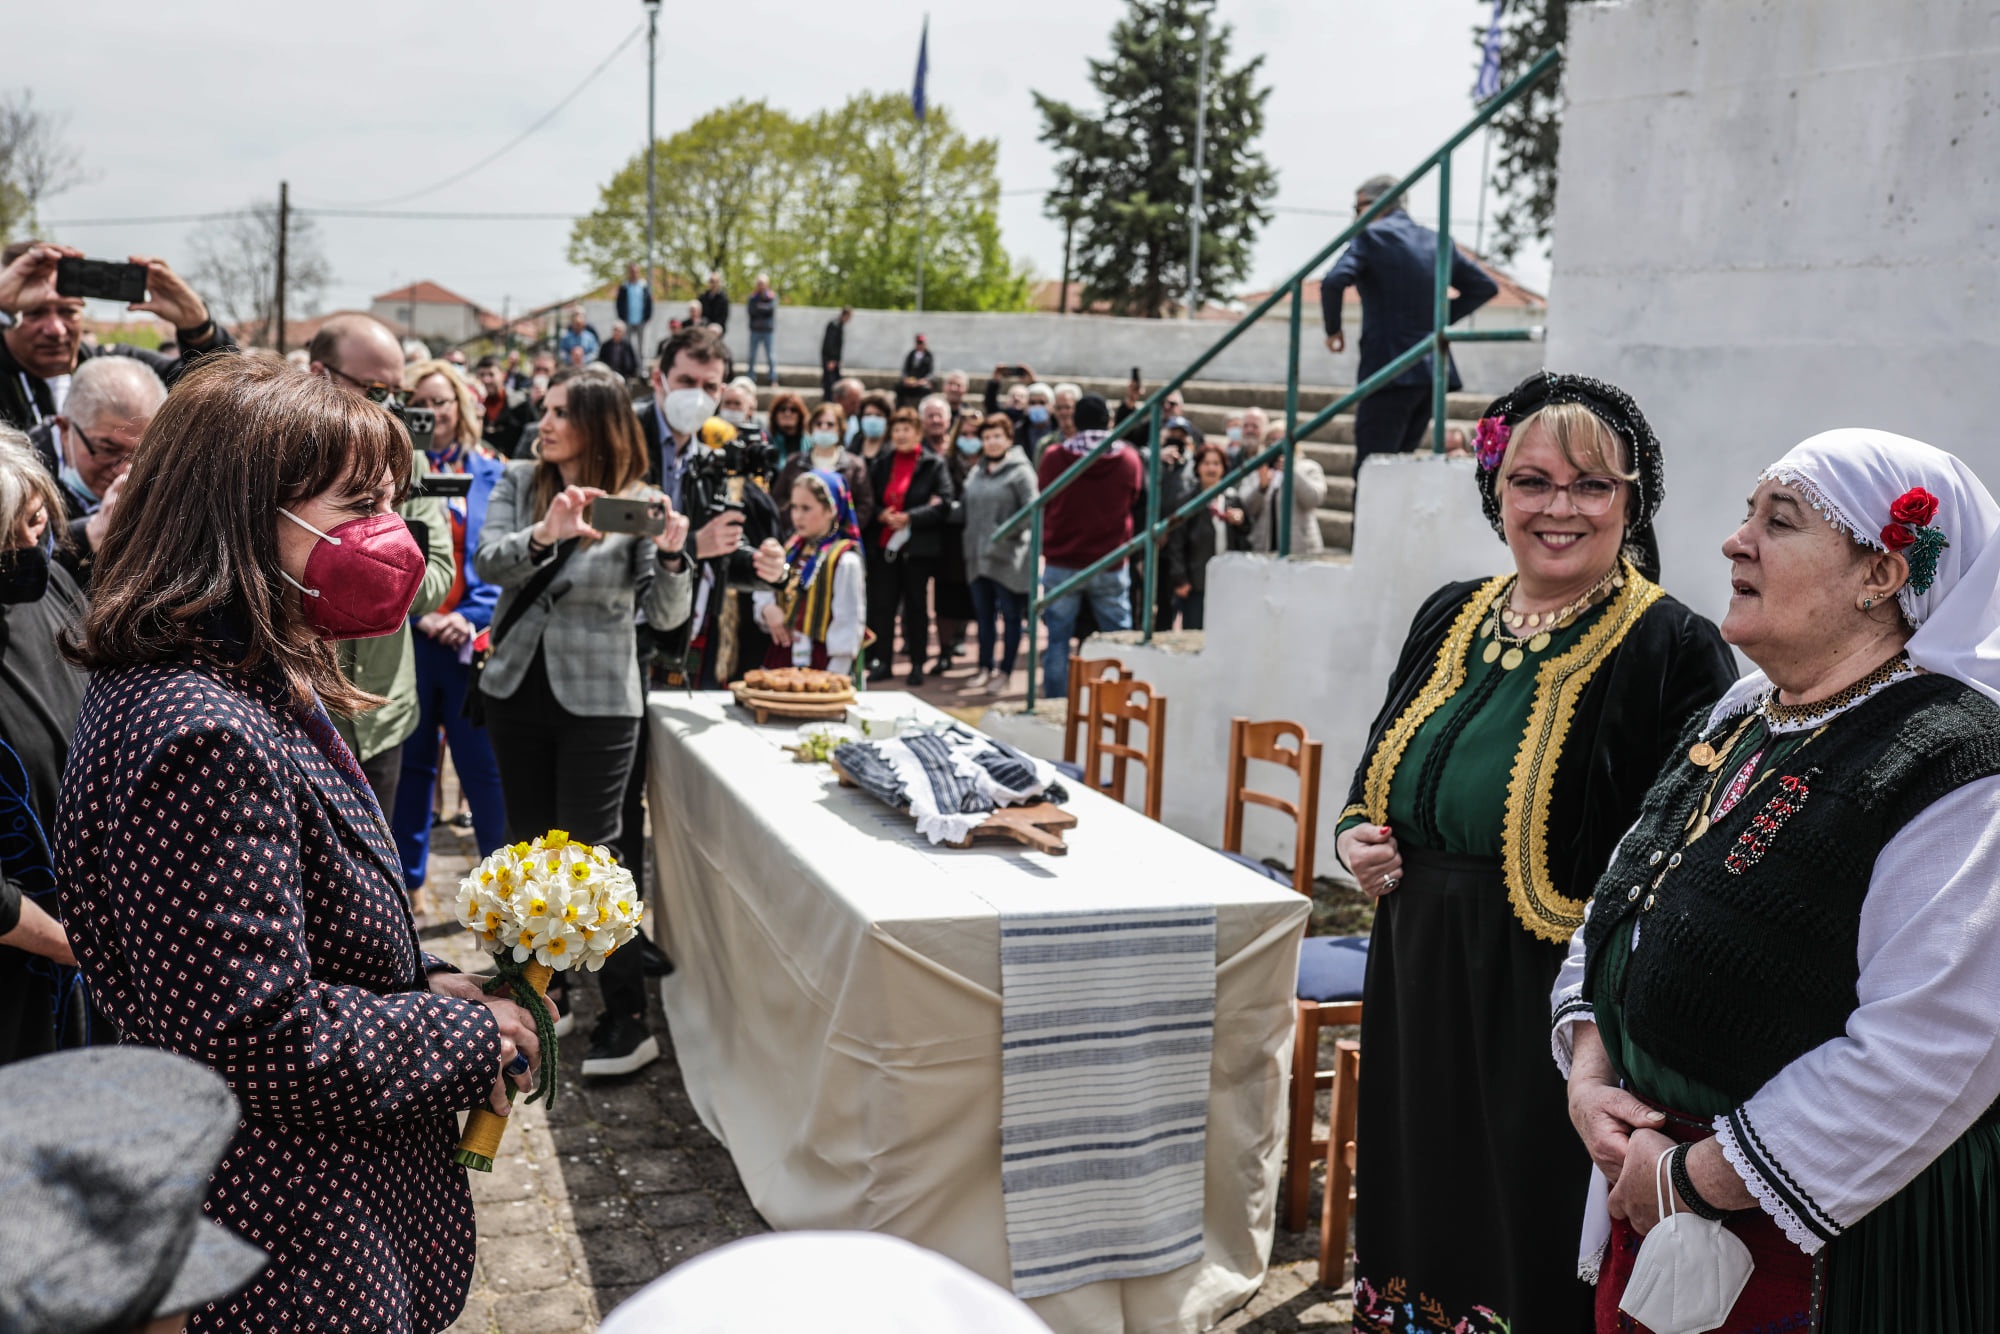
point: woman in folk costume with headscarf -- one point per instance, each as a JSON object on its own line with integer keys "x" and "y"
{"x": 817, "y": 619}
{"x": 1784, "y": 1004}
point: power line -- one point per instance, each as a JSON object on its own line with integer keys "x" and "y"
{"x": 516, "y": 141}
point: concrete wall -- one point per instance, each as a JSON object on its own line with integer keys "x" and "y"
{"x": 1311, "y": 641}
{"x": 1777, "y": 217}
{"x": 1079, "y": 345}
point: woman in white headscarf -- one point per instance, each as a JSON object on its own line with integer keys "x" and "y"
{"x": 1792, "y": 967}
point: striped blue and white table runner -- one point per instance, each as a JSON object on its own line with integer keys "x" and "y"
{"x": 1108, "y": 1019}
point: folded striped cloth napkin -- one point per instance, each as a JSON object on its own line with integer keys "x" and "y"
{"x": 951, "y": 780}
{"x": 1107, "y": 1023}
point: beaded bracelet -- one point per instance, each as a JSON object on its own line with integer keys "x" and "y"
{"x": 1677, "y": 1172}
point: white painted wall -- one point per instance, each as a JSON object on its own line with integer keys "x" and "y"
{"x": 1077, "y": 345}
{"x": 1777, "y": 217}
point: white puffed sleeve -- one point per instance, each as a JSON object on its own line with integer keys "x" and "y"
{"x": 1846, "y": 1126}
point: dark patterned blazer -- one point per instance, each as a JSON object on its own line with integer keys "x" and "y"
{"x": 232, "y": 897}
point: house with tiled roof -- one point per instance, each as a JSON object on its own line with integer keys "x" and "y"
{"x": 434, "y": 312}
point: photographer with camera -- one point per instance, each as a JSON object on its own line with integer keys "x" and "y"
{"x": 561, "y": 688}
{"x": 361, "y": 357}
{"x": 44, "y": 345}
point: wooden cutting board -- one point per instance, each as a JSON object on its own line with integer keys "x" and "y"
{"x": 1038, "y": 825}
{"x": 767, "y": 704}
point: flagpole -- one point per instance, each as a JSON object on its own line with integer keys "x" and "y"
{"x": 923, "y": 167}
{"x": 923, "y": 150}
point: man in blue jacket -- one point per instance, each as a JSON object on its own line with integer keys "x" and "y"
{"x": 1394, "y": 264}
{"x": 635, "y": 308}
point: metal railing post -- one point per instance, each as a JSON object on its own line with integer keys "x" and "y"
{"x": 1152, "y": 529}
{"x": 1034, "y": 602}
{"x": 1291, "y": 422}
{"x": 1441, "y": 307}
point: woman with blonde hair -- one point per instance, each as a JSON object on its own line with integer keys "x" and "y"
{"x": 1525, "y": 718}
{"x": 561, "y": 686}
{"x": 442, "y": 638}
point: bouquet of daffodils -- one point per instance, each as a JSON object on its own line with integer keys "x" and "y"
{"x": 542, "y": 907}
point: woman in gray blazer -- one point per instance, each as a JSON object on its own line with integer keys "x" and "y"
{"x": 562, "y": 697}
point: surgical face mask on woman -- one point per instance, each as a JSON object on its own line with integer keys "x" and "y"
{"x": 968, "y": 444}
{"x": 1038, "y": 413}
{"x": 824, "y": 438}
{"x": 1235, "y": 434}
{"x": 874, "y": 427}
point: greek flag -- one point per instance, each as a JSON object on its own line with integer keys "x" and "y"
{"x": 923, "y": 68}
{"x": 1489, "y": 61}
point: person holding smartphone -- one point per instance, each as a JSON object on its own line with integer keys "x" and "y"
{"x": 43, "y": 346}
{"x": 561, "y": 684}
{"x": 442, "y": 640}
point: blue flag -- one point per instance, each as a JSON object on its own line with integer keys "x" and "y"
{"x": 1489, "y": 62}
{"x": 923, "y": 68}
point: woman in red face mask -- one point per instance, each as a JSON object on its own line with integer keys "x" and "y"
{"x": 230, "y": 886}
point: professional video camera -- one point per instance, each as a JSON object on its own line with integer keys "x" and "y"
{"x": 723, "y": 460}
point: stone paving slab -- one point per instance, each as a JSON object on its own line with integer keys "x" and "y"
{"x": 621, "y": 1182}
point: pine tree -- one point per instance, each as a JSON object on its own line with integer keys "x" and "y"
{"x": 1527, "y": 133}
{"x": 1127, "y": 172}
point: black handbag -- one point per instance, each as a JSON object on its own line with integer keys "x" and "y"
{"x": 473, "y": 710}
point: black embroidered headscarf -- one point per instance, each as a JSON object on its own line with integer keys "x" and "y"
{"x": 1612, "y": 406}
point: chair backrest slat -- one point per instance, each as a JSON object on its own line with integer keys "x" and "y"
{"x": 1083, "y": 674}
{"x": 1259, "y": 741}
{"x": 1120, "y": 703}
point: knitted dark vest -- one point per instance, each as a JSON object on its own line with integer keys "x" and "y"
{"x": 1747, "y": 945}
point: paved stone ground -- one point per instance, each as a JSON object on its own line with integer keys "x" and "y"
{"x": 621, "y": 1182}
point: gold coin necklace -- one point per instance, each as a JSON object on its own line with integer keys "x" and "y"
{"x": 1532, "y": 631}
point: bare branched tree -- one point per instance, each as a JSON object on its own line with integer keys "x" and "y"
{"x": 236, "y": 268}
{"x": 36, "y": 161}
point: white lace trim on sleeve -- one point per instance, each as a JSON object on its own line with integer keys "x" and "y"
{"x": 1768, "y": 1198}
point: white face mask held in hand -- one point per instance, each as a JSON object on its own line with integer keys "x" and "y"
{"x": 1689, "y": 1271}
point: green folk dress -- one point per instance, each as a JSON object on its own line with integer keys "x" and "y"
{"x": 1469, "y": 1179}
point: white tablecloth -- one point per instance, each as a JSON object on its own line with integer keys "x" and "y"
{"x": 836, "y": 1007}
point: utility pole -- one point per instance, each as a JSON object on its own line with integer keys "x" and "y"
{"x": 284, "y": 223}
{"x": 1069, "y": 230}
{"x": 652, "y": 43}
{"x": 1200, "y": 144}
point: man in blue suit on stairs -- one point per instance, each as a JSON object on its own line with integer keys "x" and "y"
{"x": 1394, "y": 262}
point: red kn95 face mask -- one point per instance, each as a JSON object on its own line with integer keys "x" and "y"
{"x": 361, "y": 577}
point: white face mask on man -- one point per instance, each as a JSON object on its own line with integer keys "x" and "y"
{"x": 686, "y": 410}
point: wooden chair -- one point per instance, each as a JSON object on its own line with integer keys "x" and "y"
{"x": 1330, "y": 967}
{"x": 1338, "y": 1205}
{"x": 1259, "y": 741}
{"x": 1120, "y": 704}
{"x": 1083, "y": 674}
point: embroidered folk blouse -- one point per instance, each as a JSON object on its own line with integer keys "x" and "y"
{"x": 1845, "y": 1127}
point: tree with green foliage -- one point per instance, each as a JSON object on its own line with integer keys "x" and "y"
{"x": 1527, "y": 134}
{"x": 826, "y": 205}
{"x": 1127, "y": 171}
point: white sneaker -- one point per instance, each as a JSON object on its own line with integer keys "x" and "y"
{"x": 977, "y": 683}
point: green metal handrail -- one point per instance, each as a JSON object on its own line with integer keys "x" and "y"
{"x": 1437, "y": 347}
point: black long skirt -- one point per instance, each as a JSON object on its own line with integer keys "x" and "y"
{"x": 1469, "y": 1179}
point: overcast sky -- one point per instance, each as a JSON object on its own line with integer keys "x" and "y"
{"x": 184, "y": 108}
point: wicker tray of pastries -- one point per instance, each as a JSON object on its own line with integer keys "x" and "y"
{"x": 794, "y": 692}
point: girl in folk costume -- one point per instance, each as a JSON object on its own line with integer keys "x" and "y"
{"x": 816, "y": 620}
